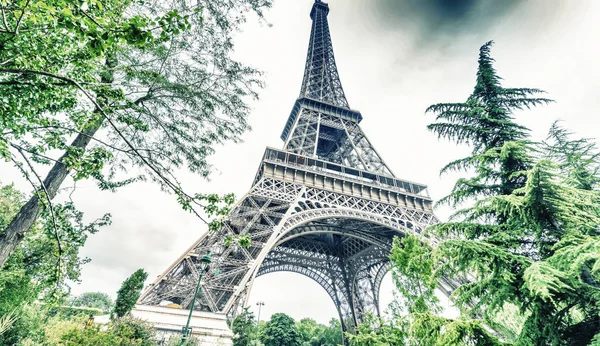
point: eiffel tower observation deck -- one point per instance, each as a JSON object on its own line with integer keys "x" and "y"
{"x": 326, "y": 206}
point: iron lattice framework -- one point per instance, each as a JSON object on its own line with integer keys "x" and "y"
{"x": 325, "y": 206}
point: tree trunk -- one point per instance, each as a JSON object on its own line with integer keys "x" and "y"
{"x": 30, "y": 211}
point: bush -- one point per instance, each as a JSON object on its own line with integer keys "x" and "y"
{"x": 176, "y": 340}
{"x": 123, "y": 332}
{"x": 57, "y": 330}
{"x": 28, "y": 325}
{"x": 132, "y": 331}
{"x": 90, "y": 336}
{"x": 69, "y": 312}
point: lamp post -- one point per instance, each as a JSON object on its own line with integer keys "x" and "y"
{"x": 187, "y": 331}
{"x": 260, "y": 305}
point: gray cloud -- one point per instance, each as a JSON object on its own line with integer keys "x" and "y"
{"x": 433, "y": 19}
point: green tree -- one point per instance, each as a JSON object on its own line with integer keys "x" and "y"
{"x": 244, "y": 329}
{"x": 486, "y": 122}
{"x": 528, "y": 238}
{"x": 132, "y": 331}
{"x": 577, "y": 160}
{"x": 117, "y": 91}
{"x": 96, "y": 300}
{"x": 376, "y": 332}
{"x": 41, "y": 264}
{"x": 281, "y": 330}
{"x": 316, "y": 334}
{"x": 308, "y": 330}
{"x": 129, "y": 293}
{"x": 16, "y": 287}
{"x": 35, "y": 271}
{"x": 332, "y": 335}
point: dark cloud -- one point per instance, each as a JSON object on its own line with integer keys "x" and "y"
{"x": 434, "y": 19}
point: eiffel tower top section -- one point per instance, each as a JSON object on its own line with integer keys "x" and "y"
{"x": 321, "y": 80}
{"x": 322, "y": 125}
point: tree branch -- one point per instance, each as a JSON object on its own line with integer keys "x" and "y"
{"x": 50, "y": 207}
{"x": 91, "y": 18}
{"x": 171, "y": 185}
{"x": 20, "y": 148}
{"x": 21, "y": 18}
{"x": 4, "y": 20}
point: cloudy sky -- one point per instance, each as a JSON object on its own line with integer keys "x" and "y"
{"x": 395, "y": 58}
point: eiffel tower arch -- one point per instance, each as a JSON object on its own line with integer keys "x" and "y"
{"x": 325, "y": 206}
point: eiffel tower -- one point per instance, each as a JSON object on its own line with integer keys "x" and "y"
{"x": 326, "y": 206}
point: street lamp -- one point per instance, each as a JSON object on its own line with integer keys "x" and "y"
{"x": 204, "y": 265}
{"x": 260, "y": 305}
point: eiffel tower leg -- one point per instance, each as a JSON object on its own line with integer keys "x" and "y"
{"x": 366, "y": 286}
{"x": 339, "y": 240}
{"x": 258, "y": 214}
{"x": 350, "y": 320}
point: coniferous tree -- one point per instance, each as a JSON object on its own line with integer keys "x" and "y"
{"x": 517, "y": 243}
{"x": 486, "y": 121}
{"x": 577, "y": 159}
{"x": 129, "y": 293}
{"x": 527, "y": 246}
{"x": 500, "y": 158}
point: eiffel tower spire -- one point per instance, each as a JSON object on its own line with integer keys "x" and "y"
{"x": 321, "y": 79}
{"x": 321, "y": 124}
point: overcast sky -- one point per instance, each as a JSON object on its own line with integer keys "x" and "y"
{"x": 395, "y": 58}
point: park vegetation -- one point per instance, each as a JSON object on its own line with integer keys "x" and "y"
{"x": 524, "y": 240}
{"x": 282, "y": 330}
{"x": 120, "y": 92}
{"x": 116, "y": 92}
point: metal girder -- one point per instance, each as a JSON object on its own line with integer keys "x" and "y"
{"x": 321, "y": 79}
{"x": 327, "y": 132}
{"x": 326, "y": 206}
{"x": 330, "y": 238}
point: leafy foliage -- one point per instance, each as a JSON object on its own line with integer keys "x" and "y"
{"x": 39, "y": 326}
{"x": 28, "y": 326}
{"x": 38, "y": 269}
{"x": 315, "y": 334}
{"x": 527, "y": 243}
{"x": 244, "y": 329}
{"x": 332, "y": 335}
{"x": 118, "y": 91}
{"x": 115, "y": 91}
{"x": 307, "y": 332}
{"x": 376, "y": 332}
{"x": 577, "y": 159}
{"x": 70, "y": 312}
{"x": 129, "y": 293}
{"x": 97, "y": 300}
{"x": 281, "y": 330}
{"x": 123, "y": 332}
{"x": 413, "y": 275}
{"x": 6, "y": 321}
